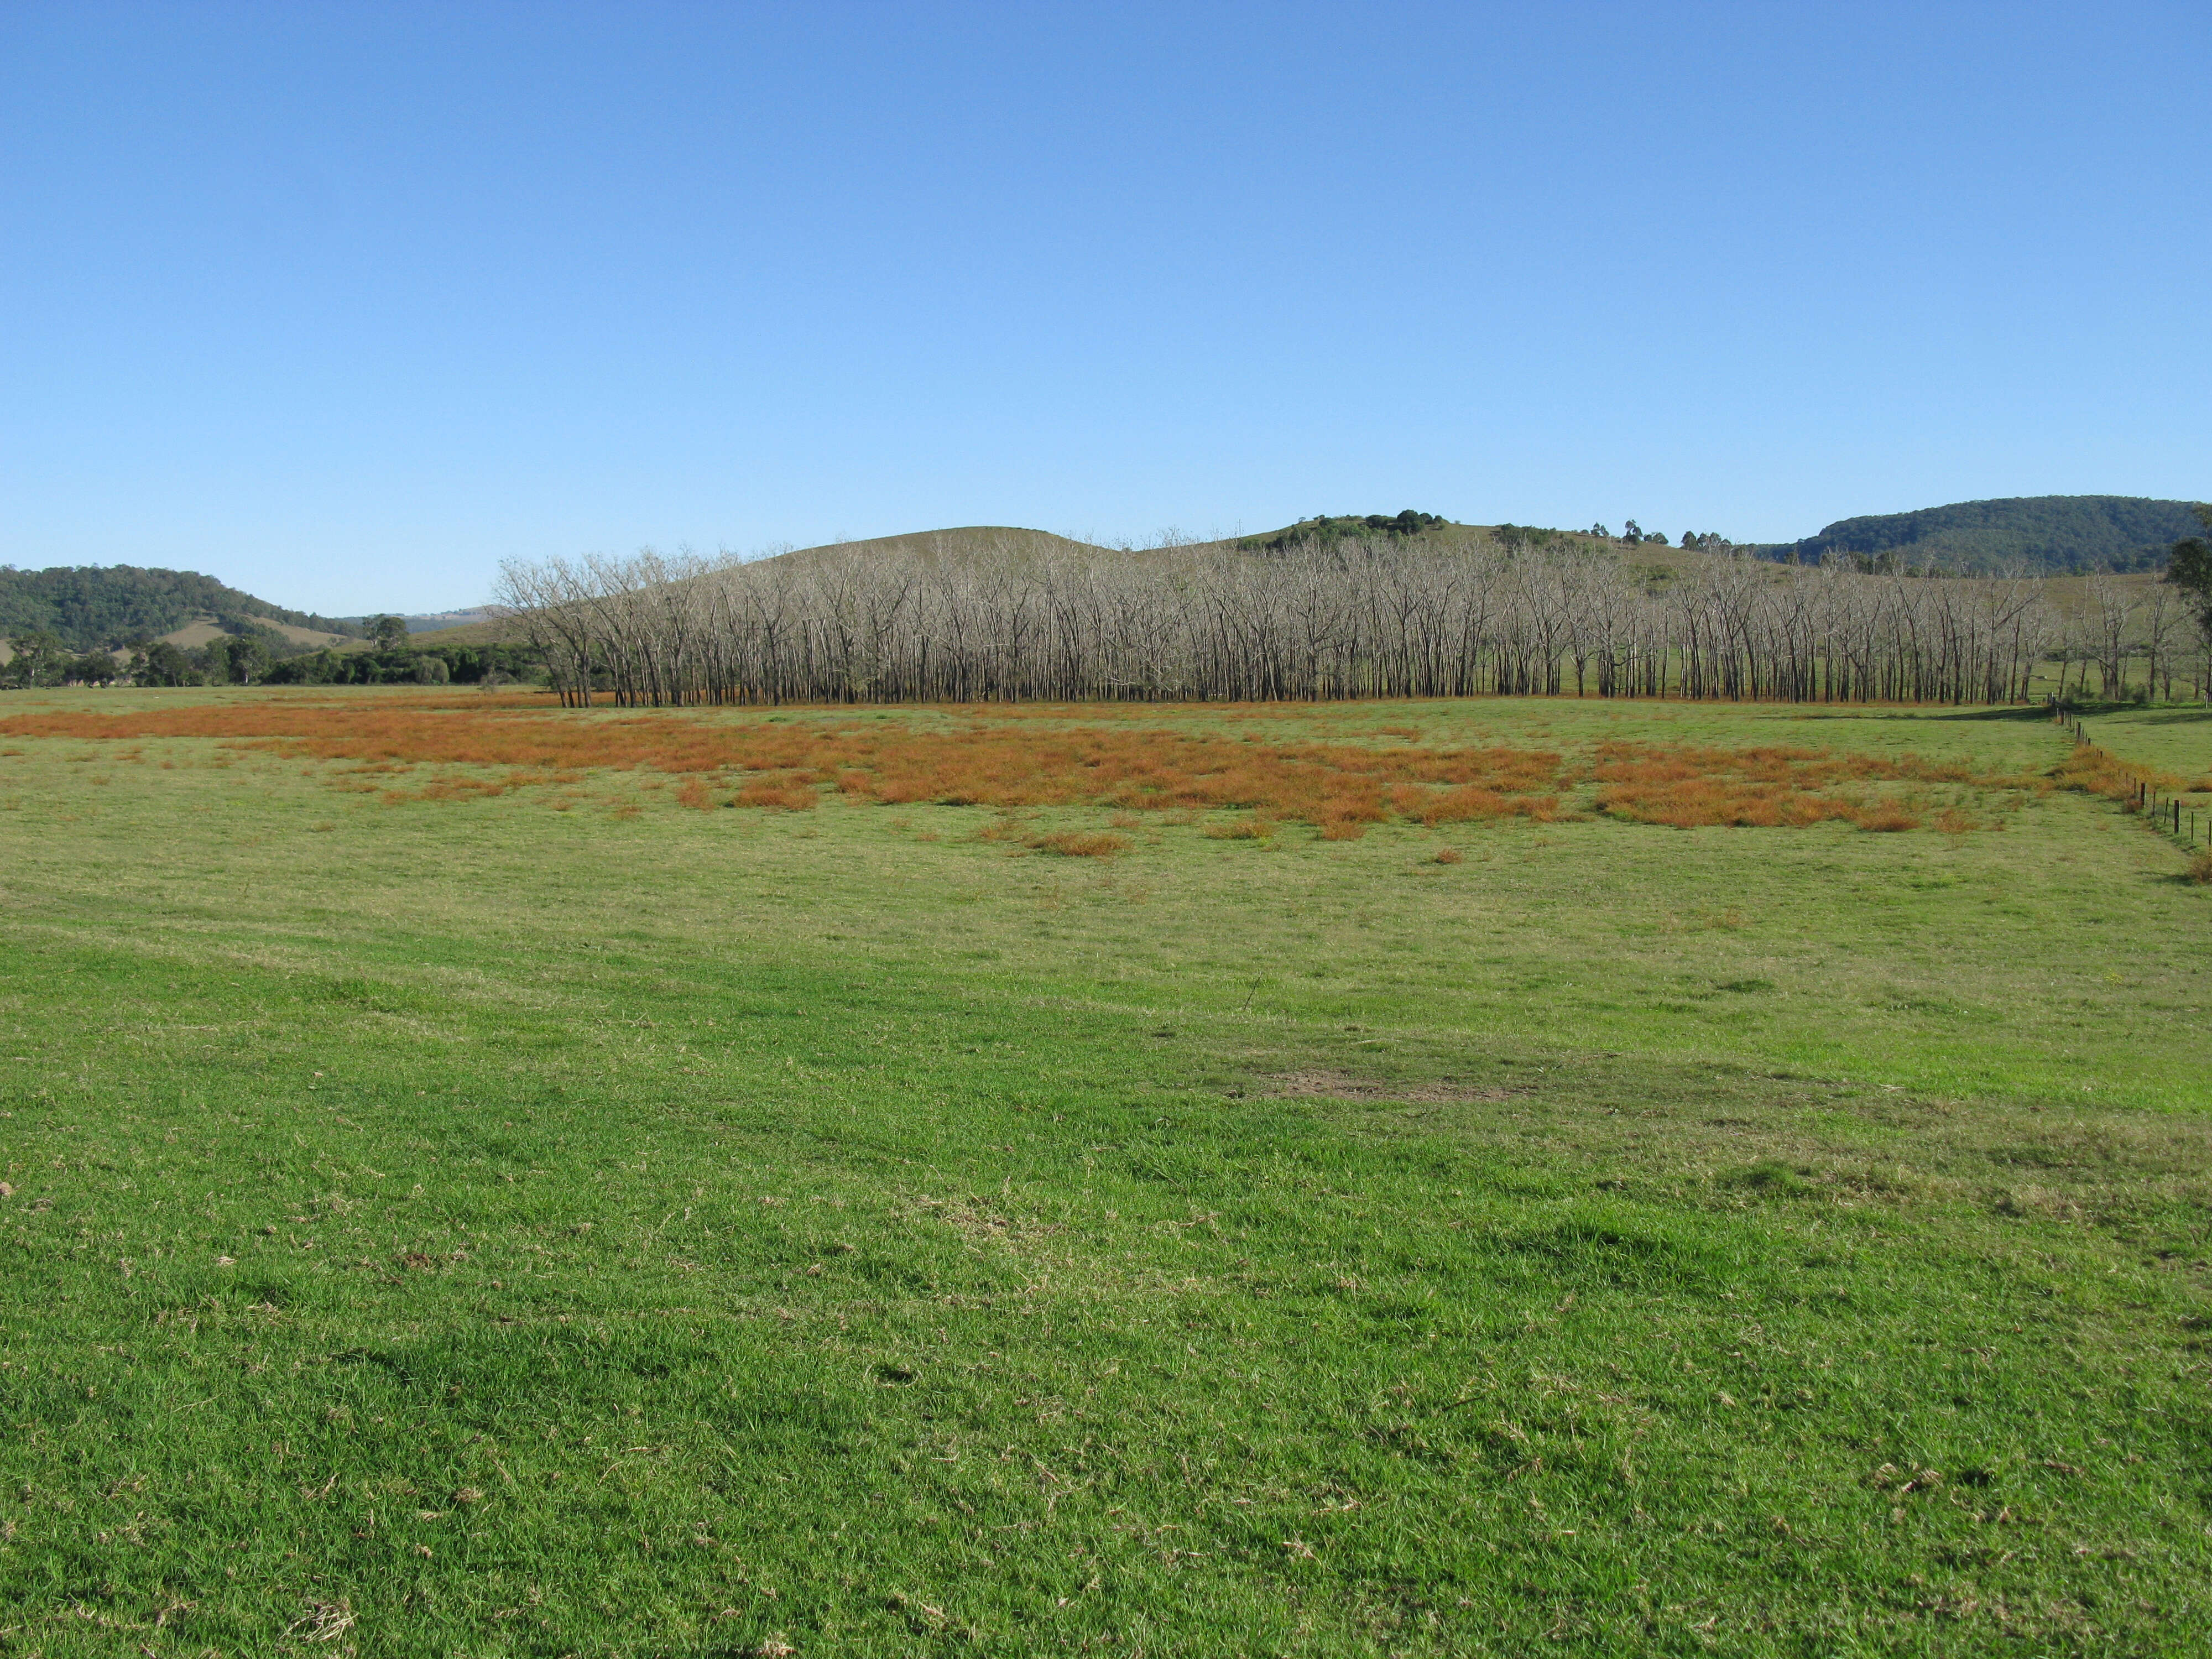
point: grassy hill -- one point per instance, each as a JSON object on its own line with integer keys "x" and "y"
{"x": 963, "y": 541}
{"x": 2055, "y": 534}
{"x": 91, "y": 605}
{"x": 955, "y": 544}
{"x": 2052, "y": 535}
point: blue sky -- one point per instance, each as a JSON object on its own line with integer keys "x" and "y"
{"x": 344, "y": 304}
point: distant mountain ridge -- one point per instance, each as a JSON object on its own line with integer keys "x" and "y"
{"x": 2040, "y": 534}
{"x": 88, "y": 606}
{"x": 92, "y": 606}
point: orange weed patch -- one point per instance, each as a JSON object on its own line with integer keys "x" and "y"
{"x": 992, "y": 757}
{"x": 782, "y": 794}
{"x": 1472, "y": 802}
{"x": 1130, "y": 759}
{"x": 1886, "y": 820}
{"x": 2093, "y": 772}
{"x": 1691, "y": 788}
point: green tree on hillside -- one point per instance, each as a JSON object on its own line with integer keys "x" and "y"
{"x": 35, "y": 657}
{"x": 160, "y": 663}
{"x": 240, "y": 659}
{"x": 2189, "y": 569}
{"x": 91, "y": 605}
{"x": 390, "y": 633}
{"x": 2053, "y": 533}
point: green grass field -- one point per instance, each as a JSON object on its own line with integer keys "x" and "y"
{"x": 565, "y": 1222}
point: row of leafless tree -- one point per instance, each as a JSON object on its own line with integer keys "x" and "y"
{"x": 1379, "y": 618}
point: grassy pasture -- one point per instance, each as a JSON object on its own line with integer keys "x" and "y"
{"x": 473, "y": 1197}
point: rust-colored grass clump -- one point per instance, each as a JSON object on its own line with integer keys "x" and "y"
{"x": 781, "y": 794}
{"x": 1258, "y": 827}
{"x": 1691, "y": 788}
{"x": 1471, "y": 803}
{"x": 1075, "y": 844}
{"x": 2093, "y": 772}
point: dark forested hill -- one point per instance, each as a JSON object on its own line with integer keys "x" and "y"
{"x": 90, "y": 606}
{"x": 2041, "y": 533}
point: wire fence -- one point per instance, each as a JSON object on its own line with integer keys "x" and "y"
{"x": 2163, "y": 812}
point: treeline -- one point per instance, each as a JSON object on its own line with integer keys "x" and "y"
{"x": 40, "y": 658}
{"x": 1328, "y": 528}
{"x": 461, "y": 664}
{"x": 1385, "y": 617}
{"x": 85, "y": 606}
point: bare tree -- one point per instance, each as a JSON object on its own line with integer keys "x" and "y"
{"x": 1020, "y": 619}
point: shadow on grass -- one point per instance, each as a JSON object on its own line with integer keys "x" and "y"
{"x": 2033, "y": 712}
{"x": 2145, "y": 713}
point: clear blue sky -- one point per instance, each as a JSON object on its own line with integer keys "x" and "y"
{"x": 344, "y": 304}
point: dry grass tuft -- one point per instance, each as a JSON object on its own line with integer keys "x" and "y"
{"x": 2093, "y": 772}
{"x": 1887, "y": 819}
{"x": 782, "y": 794}
{"x": 2200, "y": 868}
{"x": 1074, "y": 844}
{"x": 1256, "y": 828}
{"x": 1470, "y": 802}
